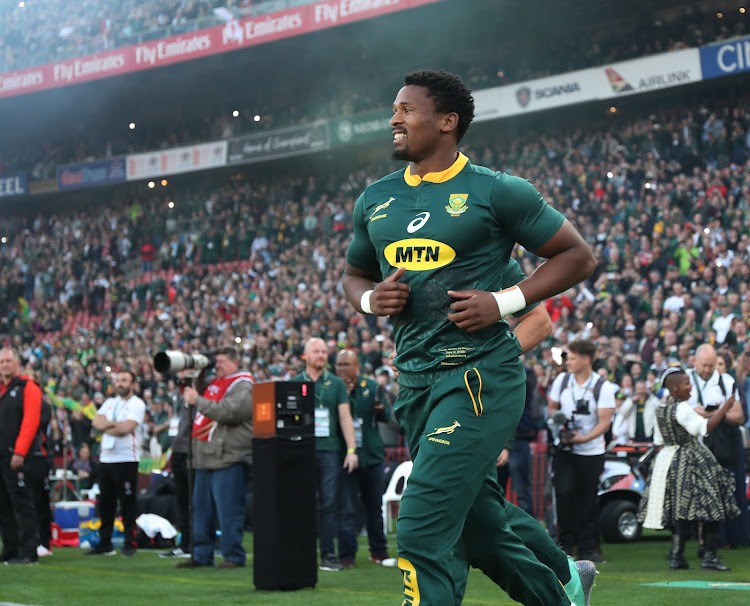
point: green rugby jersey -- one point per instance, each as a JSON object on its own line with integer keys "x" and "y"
{"x": 453, "y": 230}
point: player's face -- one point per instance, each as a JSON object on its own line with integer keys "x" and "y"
{"x": 415, "y": 124}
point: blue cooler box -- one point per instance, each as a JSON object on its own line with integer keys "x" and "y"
{"x": 70, "y": 514}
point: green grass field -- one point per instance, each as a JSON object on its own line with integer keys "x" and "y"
{"x": 69, "y": 579}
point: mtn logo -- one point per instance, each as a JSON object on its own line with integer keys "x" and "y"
{"x": 617, "y": 82}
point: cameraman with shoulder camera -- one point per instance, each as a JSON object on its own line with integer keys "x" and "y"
{"x": 222, "y": 452}
{"x": 588, "y": 402}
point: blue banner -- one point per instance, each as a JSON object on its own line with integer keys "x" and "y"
{"x": 725, "y": 58}
{"x": 91, "y": 174}
{"x": 14, "y": 185}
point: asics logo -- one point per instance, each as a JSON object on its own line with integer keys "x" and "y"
{"x": 418, "y": 223}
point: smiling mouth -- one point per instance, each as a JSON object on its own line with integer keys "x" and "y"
{"x": 398, "y": 137}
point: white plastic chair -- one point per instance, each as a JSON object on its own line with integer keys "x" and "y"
{"x": 394, "y": 491}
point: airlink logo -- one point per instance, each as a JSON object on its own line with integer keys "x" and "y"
{"x": 418, "y": 254}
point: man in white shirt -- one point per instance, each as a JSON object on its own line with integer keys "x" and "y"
{"x": 120, "y": 418}
{"x": 588, "y": 402}
{"x": 707, "y": 394}
{"x": 723, "y": 323}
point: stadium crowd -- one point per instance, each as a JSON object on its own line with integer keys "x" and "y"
{"x": 261, "y": 262}
{"x": 663, "y": 200}
{"x": 654, "y": 33}
{"x": 38, "y": 33}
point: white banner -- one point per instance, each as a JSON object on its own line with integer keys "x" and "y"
{"x": 177, "y": 160}
{"x": 664, "y": 70}
{"x": 535, "y": 95}
{"x": 596, "y": 83}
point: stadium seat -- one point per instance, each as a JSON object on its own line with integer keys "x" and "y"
{"x": 395, "y": 489}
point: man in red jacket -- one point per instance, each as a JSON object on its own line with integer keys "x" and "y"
{"x": 20, "y": 408}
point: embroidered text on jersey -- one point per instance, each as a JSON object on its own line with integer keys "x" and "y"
{"x": 417, "y": 254}
{"x": 418, "y": 223}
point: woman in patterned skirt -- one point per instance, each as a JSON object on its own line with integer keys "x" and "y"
{"x": 687, "y": 484}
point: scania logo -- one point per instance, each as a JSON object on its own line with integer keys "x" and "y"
{"x": 419, "y": 254}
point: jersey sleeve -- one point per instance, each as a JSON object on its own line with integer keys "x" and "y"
{"x": 512, "y": 275}
{"x": 361, "y": 253}
{"x": 521, "y": 211}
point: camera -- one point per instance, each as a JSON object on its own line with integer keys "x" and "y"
{"x": 175, "y": 361}
{"x": 560, "y": 428}
{"x": 582, "y": 407}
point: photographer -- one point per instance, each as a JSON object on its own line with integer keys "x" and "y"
{"x": 588, "y": 402}
{"x": 222, "y": 452}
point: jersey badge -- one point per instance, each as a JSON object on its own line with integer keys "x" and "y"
{"x": 457, "y": 204}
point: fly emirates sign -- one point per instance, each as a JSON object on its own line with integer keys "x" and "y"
{"x": 234, "y": 34}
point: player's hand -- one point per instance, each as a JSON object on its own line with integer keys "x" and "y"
{"x": 502, "y": 460}
{"x": 393, "y": 366}
{"x": 351, "y": 462}
{"x": 389, "y": 296}
{"x": 476, "y": 309}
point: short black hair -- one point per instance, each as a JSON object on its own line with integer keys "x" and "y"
{"x": 671, "y": 379}
{"x": 448, "y": 92}
{"x": 583, "y": 347}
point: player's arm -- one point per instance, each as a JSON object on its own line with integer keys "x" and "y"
{"x": 519, "y": 207}
{"x": 533, "y": 328}
{"x": 368, "y": 295}
{"x": 569, "y": 261}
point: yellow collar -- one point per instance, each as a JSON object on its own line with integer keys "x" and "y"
{"x": 440, "y": 177}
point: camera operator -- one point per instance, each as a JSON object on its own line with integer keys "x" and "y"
{"x": 222, "y": 454}
{"x": 588, "y": 402}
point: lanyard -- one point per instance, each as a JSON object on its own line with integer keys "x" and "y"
{"x": 698, "y": 387}
{"x": 585, "y": 387}
{"x": 318, "y": 392}
{"x": 118, "y": 407}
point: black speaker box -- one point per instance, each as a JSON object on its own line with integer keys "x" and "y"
{"x": 285, "y": 513}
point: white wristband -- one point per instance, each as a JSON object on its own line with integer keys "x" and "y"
{"x": 364, "y": 302}
{"x": 509, "y": 301}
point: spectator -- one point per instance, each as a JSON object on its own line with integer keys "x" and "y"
{"x": 334, "y": 442}
{"x": 687, "y": 484}
{"x": 636, "y": 416}
{"x": 120, "y": 419}
{"x": 365, "y": 483}
{"x": 20, "y": 410}
{"x": 222, "y": 458}
{"x": 85, "y": 467}
{"x": 576, "y": 472}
